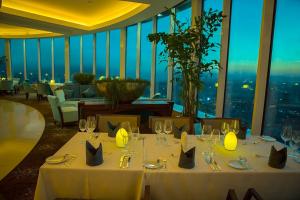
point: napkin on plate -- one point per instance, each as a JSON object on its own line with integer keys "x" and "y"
{"x": 94, "y": 156}
{"x": 178, "y": 131}
{"x": 277, "y": 159}
{"x": 112, "y": 129}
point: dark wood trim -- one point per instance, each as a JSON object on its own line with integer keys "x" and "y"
{"x": 61, "y": 116}
{"x": 147, "y": 194}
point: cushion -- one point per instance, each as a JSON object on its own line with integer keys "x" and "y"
{"x": 112, "y": 129}
{"x": 178, "y": 130}
{"x": 88, "y": 93}
{"x": 68, "y": 93}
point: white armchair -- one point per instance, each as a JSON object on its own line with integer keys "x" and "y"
{"x": 60, "y": 94}
{"x": 62, "y": 113}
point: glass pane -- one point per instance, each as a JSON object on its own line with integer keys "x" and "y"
{"x": 131, "y": 51}
{"x": 32, "y": 59}
{"x": 17, "y": 58}
{"x": 208, "y": 94}
{"x": 283, "y": 96}
{"x": 100, "y": 54}
{"x": 74, "y": 55}
{"x": 183, "y": 14}
{"x": 161, "y": 66}
{"x": 87, "y": 50}
{"x": 114, "y": 53}
{"x": 243, "y": 58}
{"x": 145, "y": 68}
{"x": 46, "y": 59}
{"x": 59, "y": 60}
{"x": 2, "y": 53}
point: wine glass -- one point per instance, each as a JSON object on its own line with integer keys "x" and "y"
{"x": 168, "y": 126}
{"x": 206, "y": 130}
{"x": 216, "y": 132}
{"x": 91, "y": 125}
{"x": 82, "y": 125}
{"x": 286, "y": 134}
{"x": 224, "y": 128}
{"x": 135, "y": 132}
{"x": 235, "y": 126}
{"x": 158, "y": 130}
{"x": 126, "y": 139}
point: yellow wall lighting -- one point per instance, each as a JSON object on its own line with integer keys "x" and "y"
{"x": 245, "y": 86}
{"x": 230, "y": 141}
{"x": 121, "y": 138}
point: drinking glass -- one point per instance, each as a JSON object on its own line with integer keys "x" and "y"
{"x": 91, "y": 125}
{"x": 135, "y": 133}
{"x": 235, "y": 126}
{"x": 168, "y": 125}
{"x": 82, "y": 125}
{"x": 158, "y": 130}
{"x": 126, "y": 125}
{"x": 286, "y": 134}
{"x": 206, "y": 130}
{"x": 224, "y": 128}
{"x": 216, "y": 133}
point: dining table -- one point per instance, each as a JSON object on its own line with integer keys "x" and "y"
{"x": 75, "y": 179}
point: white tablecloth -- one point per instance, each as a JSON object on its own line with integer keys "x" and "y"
{"x": 108, "y": 181}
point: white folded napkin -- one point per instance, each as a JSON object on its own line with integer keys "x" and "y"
{"x": 186, "y": 142}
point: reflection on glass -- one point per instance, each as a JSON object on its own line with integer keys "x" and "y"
{"x": 17, "y": 58}
{"x": 2, "y": 53}
{"x": 283, "y": 96}
{"x": 114, "y": 53}
{"x": 46, "y": 61}
{"x": 31, "y": 60}
{"x": 87, "y": 53}
{"x": 243, "y": 58}
{"x": 131, "y": 51}
{"x": 145, "y": 67}
{"x": 100, "y": 54}
{"x": 59, "y": 60}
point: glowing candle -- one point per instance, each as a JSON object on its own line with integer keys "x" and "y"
{"x": 230, "y": 141}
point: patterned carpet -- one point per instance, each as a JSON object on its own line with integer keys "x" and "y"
{"x": 20, "y": 183}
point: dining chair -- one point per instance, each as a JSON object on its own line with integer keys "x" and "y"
{"x": 251, "y": 192}
{"x": 28, "y": 89}
{"x": 43, "y": 89}
{"x": 7, "y": 86}
{"x": 177, "y": 121}
{"x": 62, "y": 114}
{"x": 102, "y": 120}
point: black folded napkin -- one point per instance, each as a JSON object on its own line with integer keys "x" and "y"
{"x": 277, "y": 159}
{"x": 187, "y": 159}
{"x": 178, "y": 131}
{"x": 242, "y": 134}
{"x": 94, "y": 156}
{"x": 112, "y": 129}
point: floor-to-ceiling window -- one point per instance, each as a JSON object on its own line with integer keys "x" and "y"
{"x": 208, "y": 95}
{"x": 114, "y": 53}
{"x": 145, "y": 51}
{"x": 161, "y": 66}
{"x": 59, "y": 59}
{"x": 131, "y": 50}
{"x": 100, "y": 54}
{"x": 74, "y": 55}
{"x": 87, "y": 53}
{"x": 2, "y": 54}
{"x": 17, "y": 58}
{"x": 32, "y": 59}
{"x": 283, "y": 94}
{"x": 246, "y": 19}
{"x": 183, "y": 14}
{"x": 46, "y": 59}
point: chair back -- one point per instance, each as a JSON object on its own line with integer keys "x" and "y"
{"x": 102, "y": 120}
{"x": 44, "y": 89}
{"x": 54, "y": 103}
{"x": 6, "y": 85}
{"x": 60, "y": 94}
{"x": 216, "y": 123}
{"x": 177, "y": 121}
{"x": 27, "y": 88}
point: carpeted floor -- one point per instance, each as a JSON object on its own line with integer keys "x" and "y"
{"x": 20, "y": 183}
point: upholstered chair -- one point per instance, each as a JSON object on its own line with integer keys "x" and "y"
{"x": 28, "y": 89}
{"x": 62, "y": 114}
{"x": 43, "y": 89}
{"x": 60, "y": 94}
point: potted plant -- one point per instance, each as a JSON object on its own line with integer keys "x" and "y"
{"x": 188, "y": 48}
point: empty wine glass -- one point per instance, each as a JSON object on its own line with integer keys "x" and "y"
{"x": 216, "y": 133}
{"x": 82, "y": 125}
{"x": 286, "y": 134}
{"x": 168, "y": 125}
{"x": 158, "y": 130}
{"x": 135, "y": 132}
{"x": 235, "y": 126}
{"x": 206, "y": 130}
{"x": 224, "y": 128}
{"x": 126, "y": 125}
{"x": 91, "y": 125}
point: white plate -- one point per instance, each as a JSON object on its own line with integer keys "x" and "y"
{"x": 152, "y": 165}
{"x": 268, "y": 138}
{"x": 56, "y": 159}
{"x": 236, "y": 164}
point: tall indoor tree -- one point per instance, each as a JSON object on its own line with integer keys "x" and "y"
{"x": 188, "y": 48}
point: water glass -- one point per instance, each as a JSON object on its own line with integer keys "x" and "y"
{"x": 168, "y": 125}
{"x": 126, "y": 125}
{"x": 91, "y": 124}
{"x": 235, "y": 127}
{"x": 224, "y": 128}
{"x": 216, "y": 133}
{"x": 135, "y": 133}
{"x": 158, "y": 130}
{"x": 82, "y": 125}
{"x": 206, "y": 130}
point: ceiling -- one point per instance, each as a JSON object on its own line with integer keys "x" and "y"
{"x": 44, "y": 18}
